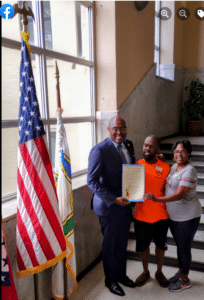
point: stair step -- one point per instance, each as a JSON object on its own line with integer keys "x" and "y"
{"x": 201, "y": 202}
{"x": 197, "y": 142}
{"x": 199, "y": 236}
{"x": 197, "y": 254}
{"x": 195, "y": 155}
{"x": 199, "y": 165}
{"x": 198, "y": 241}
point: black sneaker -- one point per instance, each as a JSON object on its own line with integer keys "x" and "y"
{"x": 175, "y": 278}
{"x": 180, "y": 285}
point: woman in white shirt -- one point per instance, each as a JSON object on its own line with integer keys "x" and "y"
{"x": 184, "y": 210}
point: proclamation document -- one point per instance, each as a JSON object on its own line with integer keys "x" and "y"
{"x": 133, "y": 182}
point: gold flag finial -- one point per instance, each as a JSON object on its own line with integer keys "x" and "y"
{"x": 25, "y": 12}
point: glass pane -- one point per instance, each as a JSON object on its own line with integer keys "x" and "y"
{"x": 79, "y": 141}
{"x": 47, "y": 25}
{"x": 74, "y": 89}
{"x": 30, "y": 25}
{"x": 85, "y": 32}
{"x": 9, "y": 161}
{"x": 63, "y": 27}
{"x": 10, "y": 83}
{"x": 11, "y": 27}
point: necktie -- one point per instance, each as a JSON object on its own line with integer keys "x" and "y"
{"x": 119, "y": 147}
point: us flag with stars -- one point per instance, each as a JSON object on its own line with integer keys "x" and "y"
{"x": 30, "y": 124}
{"x": 39, "y": 233}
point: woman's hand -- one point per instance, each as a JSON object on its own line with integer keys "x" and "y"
{"x": 149, "y": 196}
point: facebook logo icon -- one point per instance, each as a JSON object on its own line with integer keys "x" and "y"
{"x": 6, "y": 11}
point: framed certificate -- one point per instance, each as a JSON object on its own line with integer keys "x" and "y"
{"x": 133, "y": 182}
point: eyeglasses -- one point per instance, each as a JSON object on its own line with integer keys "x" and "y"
{"x": 116, "y": 129}
{"x": 182, "y": 152}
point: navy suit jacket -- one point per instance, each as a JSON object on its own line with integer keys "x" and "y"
{"x": 105, "y": 177}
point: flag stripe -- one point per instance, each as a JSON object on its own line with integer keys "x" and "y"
{"x": 42, "y": 218}
{"x": 44, "y": 177}
{"x": 20, "y": 262}
{"x": 27, "y": 241}
{"x": 45, "y": 245}
{"x": 40, "y": 143}
{"x": 22, "y": 250}
{"x": 41, "y": 193}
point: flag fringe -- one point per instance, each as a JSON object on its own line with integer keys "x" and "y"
{"x": 42, "y": 267}
{"x": 73, "y": 275}
{"x": 26, "y": 36}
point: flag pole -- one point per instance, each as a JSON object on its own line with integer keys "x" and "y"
{"x": 27, "y": 12}
{"x": 57, "y": 86}
{"x": 59, "y": 108}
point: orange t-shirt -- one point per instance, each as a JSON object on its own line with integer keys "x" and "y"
{"x": 155, "y": 176}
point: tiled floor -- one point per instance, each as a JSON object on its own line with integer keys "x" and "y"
{"x": 92, "y": 287}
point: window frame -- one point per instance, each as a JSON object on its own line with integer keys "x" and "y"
{"x": 165, "y": 71}
{"x": 42, "y": 54}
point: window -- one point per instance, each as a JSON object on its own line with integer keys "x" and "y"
{"x": 164, "y": 41}
{"x": 62, "y": 31}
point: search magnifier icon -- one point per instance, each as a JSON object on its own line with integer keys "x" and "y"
{"x": 164, "y": 13}
{"x": 182, "y": 13}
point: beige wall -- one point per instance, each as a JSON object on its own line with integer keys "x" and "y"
{"x": 124, "y": 50}
{"x": 178, "y": 38}
{"x": 193, "y": 38}
{"x": 189, "y": 38}
{"x": 134, "y": 46}
{"x": 105, "y": 54}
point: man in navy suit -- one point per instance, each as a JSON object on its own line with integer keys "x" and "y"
{"x": 105, "y": 180}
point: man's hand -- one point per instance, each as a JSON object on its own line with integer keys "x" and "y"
{"x": 161, "y": 156}
{"x": 122, "y": 201}
{"x": 149, "y": 196}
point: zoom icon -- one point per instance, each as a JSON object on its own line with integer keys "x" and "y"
{"x": 183, "y": 13}
{"x": 165, "y": 13}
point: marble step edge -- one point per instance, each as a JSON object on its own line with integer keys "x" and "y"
{"x": 171, "y": 252}
{"x": 195, "y": 141}
{"x": 197, "y": 153}
{"x": 194, "y": 163}
{"x": 198, "y": 238}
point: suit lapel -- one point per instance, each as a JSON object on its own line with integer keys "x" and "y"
{"x": 113, "y": 149}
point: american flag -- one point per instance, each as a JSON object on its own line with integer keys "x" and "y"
{"x": 40, "y": 238}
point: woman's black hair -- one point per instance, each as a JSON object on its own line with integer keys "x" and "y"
{"x": 185, "y": 143}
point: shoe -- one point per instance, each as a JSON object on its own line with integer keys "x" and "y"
{"x": 115, "y": 288}
{"x": 142, "y": 278}
{"x": 163, "y": 282}
{"x": 180, "y": 285}
{"x": 126, "y": 281}
{"x": 175, "y": 277}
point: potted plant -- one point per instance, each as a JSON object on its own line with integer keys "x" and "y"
{"x": 194, "y": 107}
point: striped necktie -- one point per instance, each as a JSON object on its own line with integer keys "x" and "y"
{"x": 119, "y": 148}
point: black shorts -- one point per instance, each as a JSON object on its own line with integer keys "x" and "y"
{"x": 146, "y": 232}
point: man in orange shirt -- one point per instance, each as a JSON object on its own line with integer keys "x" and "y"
{"x": 151, "y": 218}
